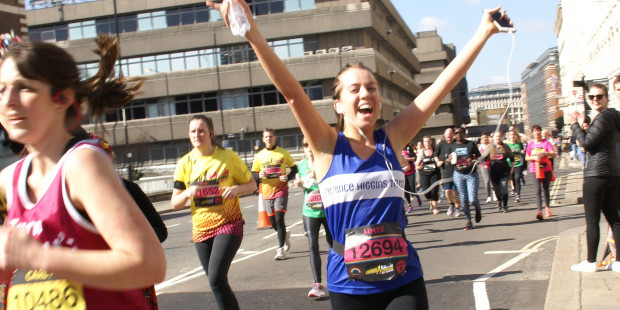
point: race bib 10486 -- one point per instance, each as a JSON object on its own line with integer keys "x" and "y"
{"x": 38, "y": 289}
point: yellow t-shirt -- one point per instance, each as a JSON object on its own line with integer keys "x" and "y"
{"x": 273, "y": 163}
{"x": 210, "y": 211}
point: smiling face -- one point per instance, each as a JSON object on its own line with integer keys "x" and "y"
{"x": 484, "y": 139}
{"x": 459, "y": 135}
{"x": 598, "y": 98}
{"x": 359, "y": 97}
{"x": 27, "y": 110}
{"x": 199, "y": 134}
{"x": 428, "y": 143}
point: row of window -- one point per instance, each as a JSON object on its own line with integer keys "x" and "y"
{"x": 203, "y": 58}
{"x": 155, "y": 20}
{"x": 207, "y": 102}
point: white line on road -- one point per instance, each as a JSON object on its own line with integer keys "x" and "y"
{"x": 287, "y": 227}
{"x": 250, "y": 206}
{"x": 168, "y": 226}
{"x": 480, "y": 288}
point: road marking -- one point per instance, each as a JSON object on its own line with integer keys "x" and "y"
{"x": 556, "y": 185}
{"x": 199, "y": 272}
{"x": 480, "y": 288}
{"x": 287, "y": 227}
{"x": 510, "y": 252}
{"x": 250, "y": 206}
{"x": 168, "y": 226}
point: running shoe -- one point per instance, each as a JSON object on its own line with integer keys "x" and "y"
{"x": 494, "y": 197}
{"x": 458, "y": 213}
{"x": 615, "y": 266}
{"x": 548, "y": 212}
{"x": 410, "y": 209}
{"x": 450, "y": 210}
{"x": 539, "y": 216}
{"x": 317, "y": 290}
{"x": 489, "y": 199}
{"x": 517, "y": 199}
{"x": 280, "y": 254}
{"x": 478, "y": 215}
{"x": 287, "y": 242}
{"x": 512, "y": 192}
{"x": 435, "y": 211}
{"x": 468, "y": 226}
{"x": 505, "y": 210}
{"x": 584, "y": 266}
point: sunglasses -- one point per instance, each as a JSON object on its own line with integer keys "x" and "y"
{"x": 598, "y": 97}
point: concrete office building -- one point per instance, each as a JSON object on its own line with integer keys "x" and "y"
{"x": 13, "y": 17}
{"x": 497, "y": 98}
{"x": 195, "y": 65}
{"x": 540, "y": 91}
{"x": 434, "y": 56}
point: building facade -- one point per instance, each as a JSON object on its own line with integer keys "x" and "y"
{"x": 541, "y": 90}
{"x": 13, "y": 17}
{"x": 193, "y": 64}
{"x": 434, "y": 56}
{"x": 588, "y": 47}
{"x": 488, "y": 103}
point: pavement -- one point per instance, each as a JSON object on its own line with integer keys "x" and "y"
{"x": 567, "y": 289}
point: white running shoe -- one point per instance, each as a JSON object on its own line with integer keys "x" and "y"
{"x": 458, "y": 213}
{"x": 317, "y": 290}
{"x": 489, "y": 199}
{"x": 287, "y": 242}
{"x": 450, "y": 210}
{"x": 584, "y": 266}
{"x": 280, "y": 254}
{"x": 615, "y": 266}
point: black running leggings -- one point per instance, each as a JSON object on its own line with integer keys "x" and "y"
{"x": 312, "y": 226}
{"x": 499, "y": 179}
{"x": 411, "y": 296}
{"x": 599, "y": 194}
{"x": 216, "y": 255}
{"x": 409, "y": 186}
{"x": 544, "y": 185}
{"x": 277, "y": 223}
{"x": 517, "y": 175}
{"x": 427, "y": 181}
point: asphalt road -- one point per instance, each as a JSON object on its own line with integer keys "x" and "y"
{"x": 503, "y": 263}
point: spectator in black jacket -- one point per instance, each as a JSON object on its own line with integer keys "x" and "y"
{"x": 601, "y": 173}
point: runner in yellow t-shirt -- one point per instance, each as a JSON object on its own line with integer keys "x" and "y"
{"x": 270, "y": 167}
{"x": 212, "y": 178}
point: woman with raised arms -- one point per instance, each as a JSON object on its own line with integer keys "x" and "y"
{"x": 364, "y": 273}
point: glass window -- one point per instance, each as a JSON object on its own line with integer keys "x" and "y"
{"x": 281, "y": 51}
{"x": 227, "y": 103}
{"x": 62, "y": 33}
{"x": 202, "y": 14}
{"x": 195, "y": 106}
{"x": 128, "y": 23}
{"x": 181, "y": 105}
{"x": 207, "y": 58}
{"x": 172, "y": 17}
{"x": 187, "y": 16}
{"x": 144, "y": 21}
{"x": 152, "y": 110}
{"x": 291, "y": 5}
{"x": 215, "y": 15}
{"x": 210, "y": 104}
{"x": 307, "y": 4}
{"x": 176, "y": 61}
{"x": 261, "y": 8}
{"x": 159, "y": 20}
{"x": 89, "y": 29}
{"x": 49, "y": 35}
{"x": 75, "y": 31}
{"x": 104, "y": 25}
{"x": 241, "y": 101}
{"x": 271, "y": 98}
{"x": 277, "y": 7}
{"x": 163, "y": 63}
{"x": 134, "y": 67}
{"x": 191, "y": 60}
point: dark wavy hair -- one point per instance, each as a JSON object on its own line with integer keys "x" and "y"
{"x": 51, "y": 64}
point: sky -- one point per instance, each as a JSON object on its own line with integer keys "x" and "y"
{"x": 457, "y": 20}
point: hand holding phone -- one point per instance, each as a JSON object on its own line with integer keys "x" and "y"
{"x": 503, "y": 24}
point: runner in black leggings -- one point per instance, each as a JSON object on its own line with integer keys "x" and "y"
{"x": 313, "y": 217}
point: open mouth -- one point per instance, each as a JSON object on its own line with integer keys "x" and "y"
{"x": 365, "y": 109}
